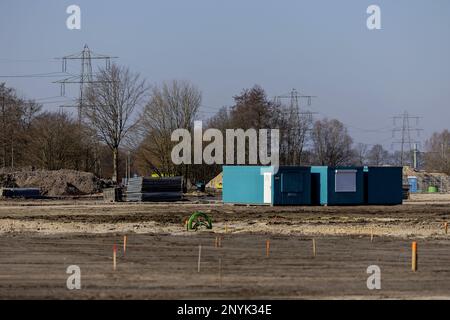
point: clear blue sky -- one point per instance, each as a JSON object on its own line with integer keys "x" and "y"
{"x": 320, "y": 47}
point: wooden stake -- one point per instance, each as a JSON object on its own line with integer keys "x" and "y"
{"x": 446, "y": 227}
{"x": 226, "y": 229}
{"x": 371, "y": 235}
{"x": 218, "y": 242}
{"x": 220, "y": 272}
{"x": 199, "y": 257}
{"x": 414, "y": 257}
{"x": 114, "y": 257}
{"x": 267, "y": 248}
{"x": 124, "y": 245}
{"x": 314, "y": 247}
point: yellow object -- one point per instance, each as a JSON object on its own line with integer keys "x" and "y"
{"x": 216, "y": 183}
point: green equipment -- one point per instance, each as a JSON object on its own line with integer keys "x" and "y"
{"x": 197, "y": 220}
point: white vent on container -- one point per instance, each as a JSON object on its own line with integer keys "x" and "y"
{"x": 345, "y": 181}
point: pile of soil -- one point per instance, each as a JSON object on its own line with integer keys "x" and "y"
{"x": 54, "y": 183}
{"x": 427, "y": 179}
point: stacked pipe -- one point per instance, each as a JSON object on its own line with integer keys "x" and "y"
{"x": 142, "y": 189}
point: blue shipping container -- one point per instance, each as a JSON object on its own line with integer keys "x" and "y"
{"x": 384, "y": 185}
{"x": 243, "y": 185}
{"x": 292, "y": 186}
{"x": 256, "y": 185}
{"x": 317, "y": 185}
{"x": 337, "y": 186}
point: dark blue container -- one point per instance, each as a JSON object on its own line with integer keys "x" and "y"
{"x": 292, "y": 186}
{"x": 384, "y": 185}
{"x": 255, "y": 185}
{"x": 337, "y": 186}
{"x": 345, "y": 186}
{"x": 317, "y": 185}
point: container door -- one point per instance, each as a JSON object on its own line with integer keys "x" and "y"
{"x": 268, "y": 188}
{"x": 292, "y": 188}
{"x": 315, "y": 189}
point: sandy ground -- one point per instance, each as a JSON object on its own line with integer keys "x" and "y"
{"x": 413, "y": 219}
{"x": 40, "y": 239}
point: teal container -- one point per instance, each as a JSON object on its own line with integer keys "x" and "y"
{"x": 255, "y": 185}
{"x": 243, "y": 185}
{"x": 319, "y": 185}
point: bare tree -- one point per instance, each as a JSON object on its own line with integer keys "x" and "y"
{"x": 56, "y": 141}
{"x": 172, "y": 106}
{"x": 221, "y": 120}
{"x": 360, "y": 154}
{"x": 332, "y": 145}
{"x": 294, "y": 129}
{"x": 437, "y": 155}
{"x": 377, "y": 155}
{"x": 113, "y": 99}
{"x": 252, "y": 109}
{"x": 16, "y": 115}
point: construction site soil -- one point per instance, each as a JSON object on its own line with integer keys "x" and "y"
{"x": 40, "y": 239}
{"x": 53, "y": 183}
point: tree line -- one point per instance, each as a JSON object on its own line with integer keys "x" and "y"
{"x": 124, "y": 120}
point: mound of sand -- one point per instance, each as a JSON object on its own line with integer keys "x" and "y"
{"x": 53, "y": 183}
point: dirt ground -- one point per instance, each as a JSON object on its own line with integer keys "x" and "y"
{"x": 40, "y": 239}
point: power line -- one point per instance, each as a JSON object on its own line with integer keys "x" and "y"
{"x": 86, "y": 76}
{"x": 10, "y": 60}
{"x": 406, "y": 128}
{"x": 378, "y": 130}
{"x": 37, "y": 75}
{"x": 47, "y": 98}
{"x": 294, "y": 96}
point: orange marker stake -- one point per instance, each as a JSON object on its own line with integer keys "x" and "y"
{"x": 124, "y": 245}
{"x": 114, "y": 257}
{"x": 267, "y": 248}
{"x": 414, "y": 257}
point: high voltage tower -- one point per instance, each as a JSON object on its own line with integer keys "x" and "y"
{"x": 86, "y": 75}
{"x": 299, "y": 123}
{"x": 403, "y": 125}
{"x": 294, "y": 105}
